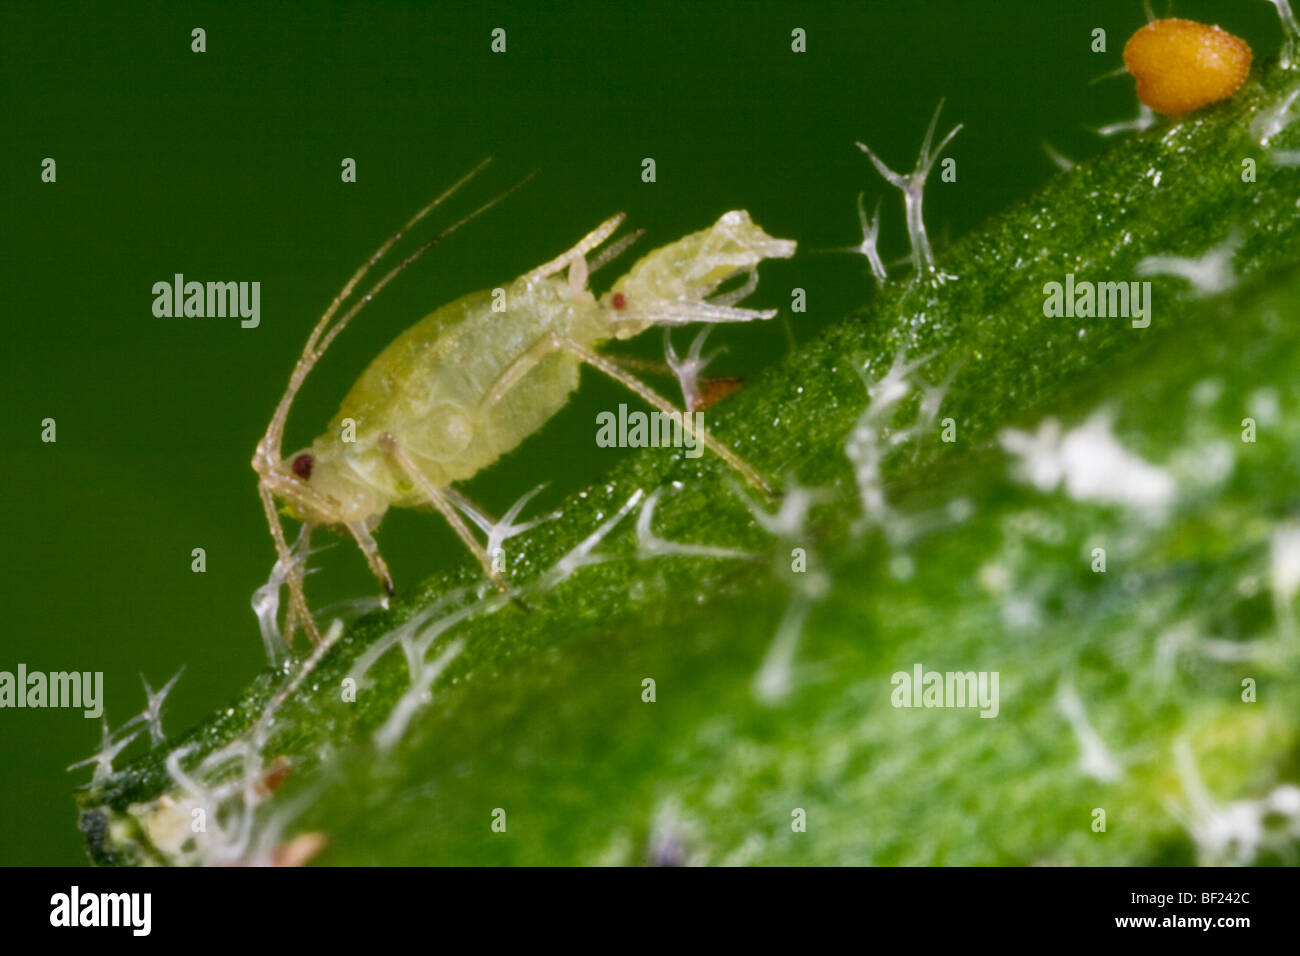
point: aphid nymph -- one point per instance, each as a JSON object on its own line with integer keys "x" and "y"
{"x": 467, "y": 384}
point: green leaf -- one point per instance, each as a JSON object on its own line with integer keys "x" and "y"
{"x": 1118, "y": 691}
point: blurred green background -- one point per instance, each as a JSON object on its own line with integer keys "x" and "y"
{"x": 226, "y": 166}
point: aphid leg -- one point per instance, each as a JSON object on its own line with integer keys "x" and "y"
{"x": 612, "y": 252}
{"x": 300, "y": 551}
{"x": 366, "y": 542}
{"x": 710, "y": 389}
{"x": 439, "y": 500}
{"x": 270, "y": 484}
{"x": 651, "y": 397}
{"x": 588, "y": 242}
{"x": 290, "y": 623}
{"x": 553, "y": 342}
{"x": 578, "y": 277}
{"x": 292, "y": 573}
{"x": 738, "y": 293}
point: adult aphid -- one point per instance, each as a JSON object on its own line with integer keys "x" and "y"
{"x": 1182, "y": 65}
{"x": 466, "y": 384}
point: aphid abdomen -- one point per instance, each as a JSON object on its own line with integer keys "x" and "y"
{"x": 523, "y": 410}
{"x": 426, "y": 389}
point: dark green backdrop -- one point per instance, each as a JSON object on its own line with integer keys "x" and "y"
{"x": 225, "y": 166}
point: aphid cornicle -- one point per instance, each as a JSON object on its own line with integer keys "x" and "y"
{"x": 467, "y": 384}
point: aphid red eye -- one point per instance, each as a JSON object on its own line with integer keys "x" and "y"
{"x": 302, "y": 466}
{"x": 619, "y": 301}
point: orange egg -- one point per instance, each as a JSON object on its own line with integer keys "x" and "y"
{"x": 1181, "y": 65}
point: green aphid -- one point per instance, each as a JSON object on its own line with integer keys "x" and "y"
{"x": 473, "y": 379}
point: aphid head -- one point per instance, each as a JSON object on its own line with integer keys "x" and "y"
{"x": 320, "y": 490}
{"x": 672, "y": 284}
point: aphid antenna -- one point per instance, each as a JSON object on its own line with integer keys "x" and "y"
{"x": 324, "y": 334}
{"x": 383, "y": 250}
{"x": 268, "y": 449}
{"x": 739, "y": 292}
{"x": 309, "y": 355}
